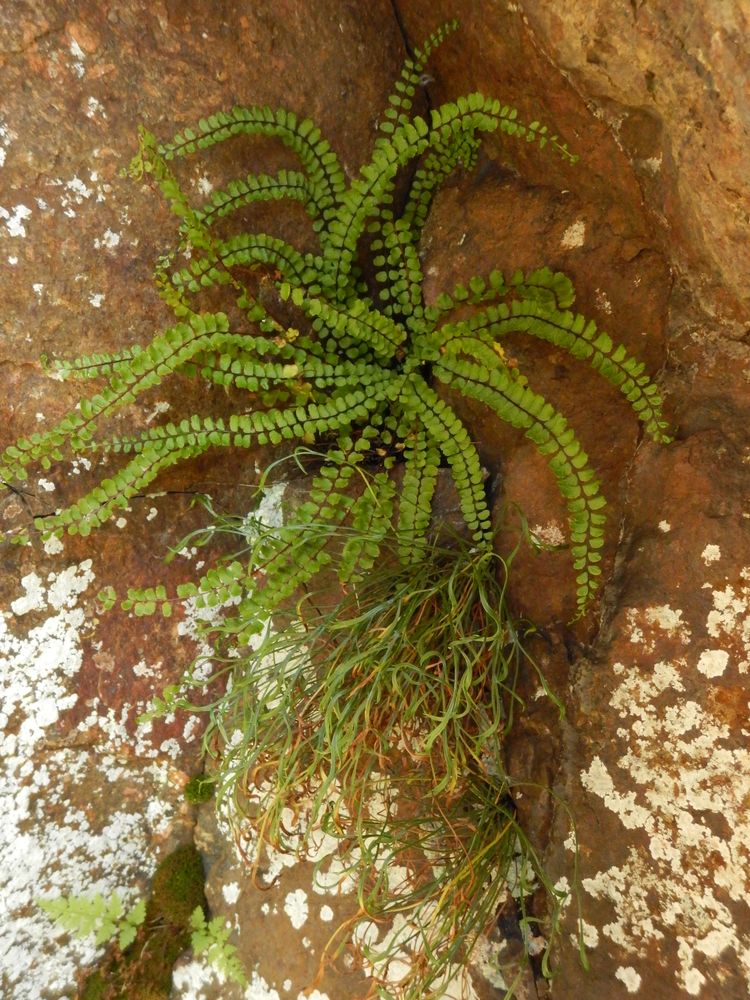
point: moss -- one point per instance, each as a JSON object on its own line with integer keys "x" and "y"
{"x": 144, "y": 970}
{"x": 178, "y": 887}
{"x": 95, "y": 987}
{"x": 199, "y": 789}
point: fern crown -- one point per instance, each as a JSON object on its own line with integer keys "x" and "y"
{"x": 361, "y": 375}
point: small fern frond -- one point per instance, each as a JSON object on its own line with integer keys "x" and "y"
{"x": 263, "y": 427}
{"x": 98, "y": 505}
{"x": 249, "y": 250}
{"x": 577, "y": 335}
{"x": 400, "y": 101}
{"x": 399, "y": 276}
{"x": 352, "y": 320}
{"x": 461, "y": 150}
{"x": 421, "y": 462}
{"x": 554, "y": 439}
{"x": 450, "y": 435}
{"x": 302, "y": 136}
{"x": 470, "y": 114}
{"x": 370, "y": 516}
{"x": 93, "y": 365}
{"x": 260, "y": 187}
{"x": 542, "y": 285}
{"x": 166, "y": 352}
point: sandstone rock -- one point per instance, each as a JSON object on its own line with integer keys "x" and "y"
{"x": 77, "y": 248}
{"x": 651, "y": 762}
{"x": 672, "y": 84}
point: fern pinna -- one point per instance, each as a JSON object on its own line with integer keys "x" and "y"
{"x": 363, "y": 372}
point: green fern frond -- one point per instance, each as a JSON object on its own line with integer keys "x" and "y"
{"x": 437, "y": 167}
{"x": 400, "y": 101}
{"x": 421, "y": 462}
{"x": 554, "y": 439}
{"x": 450, "y": 435}
{"x": 111, "y": 495}
{"x": 249, "y": 250}
{"x": 321, "y": 163}
{"x": 573, "y": 333}
{"x": 261, "y": 187}
{"x": 400, "y": 276}
{"x": 352, "y": 320}
{"x": 371, "y": 517}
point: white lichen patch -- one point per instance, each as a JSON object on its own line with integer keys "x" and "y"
{"x": 6, "y": 137}
{"x": 665, "y": 526}
{"x": 79, "y": 57}
{"x": 96, "y": 299}
{"x": 76, "y": 192}
{"x": 231, "y": 892}
{"x": 194, "y": 979}
{"x": 14, "y": 219}
{"x": 94, "y": 107}
{"x": 729, "y": 619}
{"x": 57, "y": 836}
{"x": 602, "y": 302}
{"x": 296, "y": 908}
{"x": 652, "y": 164}
{"x": 711, "y": 554}
{"x": 53, "y": 546}
{"x": 629, "y": 978}
{"x": 713, "y": 662}
{"x": 550, "y": 534}
{"x": 161, "y": 406}
{"x": 574, "y": 235}
{"x": 681, "y": 785}
{"x": 109, "y": 240}
{"x": 648, "y": 625}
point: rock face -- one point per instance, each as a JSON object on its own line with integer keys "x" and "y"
{"x": 672, "y": 84}
{"x": 90, "y": 801}
{"x": 651, "y": 760}
{"x": 652, "y": 757}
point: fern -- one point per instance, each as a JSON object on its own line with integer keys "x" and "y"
{"x": 358, "y": 372}
{"x": 96, "y": 915}
{"x": 104, "y": 919}
{"x": 212, "y": 940}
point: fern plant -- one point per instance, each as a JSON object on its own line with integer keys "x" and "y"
{"x": 361, "y": 373}
{"x": 98, "y": 915}
{"x": 104, "y": 918}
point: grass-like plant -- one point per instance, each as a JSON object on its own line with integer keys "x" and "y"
{"x": 377, "y": 715}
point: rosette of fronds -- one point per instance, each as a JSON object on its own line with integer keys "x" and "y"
{"x": 361, "y": 370}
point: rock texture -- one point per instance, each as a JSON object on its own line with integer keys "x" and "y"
{"x": 90, "y": 801}
{"x": 651, "y": 760}
{"x": 672, "y": 84}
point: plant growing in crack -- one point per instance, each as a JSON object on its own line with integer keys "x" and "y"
{"x": 106, "y": 920}
{"x": 410, "y": 676}
{"x": 362, "y": 376}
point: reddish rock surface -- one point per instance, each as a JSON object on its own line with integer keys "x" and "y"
{"x": 651, "y": 760}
